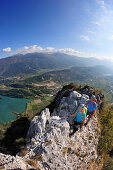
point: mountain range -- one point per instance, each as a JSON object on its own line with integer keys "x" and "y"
{"x": 30, "y": 63}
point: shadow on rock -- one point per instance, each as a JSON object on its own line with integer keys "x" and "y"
{"x": 15, "y": 136}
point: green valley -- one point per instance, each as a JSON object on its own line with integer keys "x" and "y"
{"x": 48, "y": 82}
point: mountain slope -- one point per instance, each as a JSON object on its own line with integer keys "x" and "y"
{"x": 72, "y": 74}
{"x": 37, "y": 85}
{"x": 29, "y": 63}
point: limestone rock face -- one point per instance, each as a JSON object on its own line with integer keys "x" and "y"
{"x": 40, "y": 126}
{"x": 75, "y": 95}
{"x": 11, "y": 162}
{"x": 59, "y": 151}
{"x": 68, "y": 105}
{"x": 49, "y": 144}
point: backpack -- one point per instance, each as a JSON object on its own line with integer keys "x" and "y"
{"x": 91, "y": 104}
{"x": 85, "y": 110}
{"x": 95, "y": 100}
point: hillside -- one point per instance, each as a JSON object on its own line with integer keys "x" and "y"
{"x": 30, "y": 63}
{"x": 49, "y": 82}
{"x": 28, "y": 76}
{"x": 72, "y": 74}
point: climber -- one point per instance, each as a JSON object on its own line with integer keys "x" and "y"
{"x": 80, "y": 115}
{"x": 91, "y": 106}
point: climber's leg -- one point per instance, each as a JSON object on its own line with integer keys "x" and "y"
{"x": 90, "y": 115}
{"x": 75, "y": 128}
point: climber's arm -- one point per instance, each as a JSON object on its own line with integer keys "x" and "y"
{"x": 74, "y": 114}
{"x": 94, "y": 112}
{"x": 83, "y": 121}
{"x": 95, "y": 109}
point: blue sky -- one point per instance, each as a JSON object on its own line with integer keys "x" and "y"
{"x": 79, "y": 27}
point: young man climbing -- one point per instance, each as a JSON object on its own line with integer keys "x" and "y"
{"x": 80, "y": 116}
{"x": 91, "y": 106}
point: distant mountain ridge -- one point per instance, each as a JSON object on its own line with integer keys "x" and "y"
{"x": 71, "y": 74}
{"x": 31, "y": 62}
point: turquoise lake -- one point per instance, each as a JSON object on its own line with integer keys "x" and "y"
{"x": 9, "y": 105}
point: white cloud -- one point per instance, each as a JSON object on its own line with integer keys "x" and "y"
{"x": 7, "y": 49}
{"x": 70, "y": 51}
{"x": 49, "y": 49}
{"x": 35, "y": 48}
{"x": 39, "y": 48}
{"x": 97, "y": 23}
{"x": 30, "y": 49}
{"x": 85, "y": 37}
{"x": 80, "y": 53}
{"x": 26, "y": 48}
{"x": 66, "y": 50}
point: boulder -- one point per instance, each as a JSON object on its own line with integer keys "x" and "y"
{"x": 63, "y": 125}
{"x": 75, "y": 95}
{"x": 45, "y": 116}
{"x": 83, "y": 100}
{"x": 38, "y": 124}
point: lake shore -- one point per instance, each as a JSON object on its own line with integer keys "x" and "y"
{"x": 9, "y": 105}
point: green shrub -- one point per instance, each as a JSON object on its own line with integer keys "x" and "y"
{"x": 105, "y": 145}
{"x": 108, "y": 165}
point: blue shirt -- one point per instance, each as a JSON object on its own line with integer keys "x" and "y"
{"x": 80, "y": 116}
{"x": 91, "y": 106}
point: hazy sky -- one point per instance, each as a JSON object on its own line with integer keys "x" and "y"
{"x": 80, "y": 27}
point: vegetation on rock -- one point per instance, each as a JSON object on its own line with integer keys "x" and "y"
{"x": 105, "y": 146}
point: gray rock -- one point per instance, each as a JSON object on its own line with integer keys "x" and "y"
{"x": 45, "y": 116}
{"x": 83, "y": 100}
{"x": 11, "y": 162}
{"x": 75, "y": 95}
{"x": 38, "y": 125}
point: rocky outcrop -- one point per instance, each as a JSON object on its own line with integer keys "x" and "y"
{"x": 49, "y": 144}
{"x": 68, "y": 105}
{"x": 59, "y": 151}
